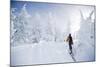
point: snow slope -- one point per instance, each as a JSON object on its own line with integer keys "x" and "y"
{"x": 85, "y": 52}
{"x": 42, "y": 53}
{"x": 50, "y": 52}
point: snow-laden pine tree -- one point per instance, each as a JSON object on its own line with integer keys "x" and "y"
{"x": 36, "y": 29}
{"x": 13, "y": 19}
{"x": 20, "y": 25}
{"x": 87, "y": 29}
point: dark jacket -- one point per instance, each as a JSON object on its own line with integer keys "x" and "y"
{"x": 70, "y": 40}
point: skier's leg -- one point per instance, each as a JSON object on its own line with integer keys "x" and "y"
{"x": 70, "y": 49}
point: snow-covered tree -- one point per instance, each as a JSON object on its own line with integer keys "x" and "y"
{"x": 86, "y": 32}
{"x": 13, "y": 19}
{"x": 20, "y": 24}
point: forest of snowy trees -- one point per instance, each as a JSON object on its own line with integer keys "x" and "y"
{"x": 26, "y": 28}
{"x": 31, "y": 29}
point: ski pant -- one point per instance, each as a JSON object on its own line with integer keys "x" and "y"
{"x": 70, "y": 47}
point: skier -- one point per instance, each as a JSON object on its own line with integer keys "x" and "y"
{"x": 70, "y": 41}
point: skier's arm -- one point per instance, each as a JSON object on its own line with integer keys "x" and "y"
{"x": 67, "y": 39}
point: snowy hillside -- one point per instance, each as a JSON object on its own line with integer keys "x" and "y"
{"x": 50, "y": 52}
{"x": 42, "y": 53}
{"x": 38, "y": 31}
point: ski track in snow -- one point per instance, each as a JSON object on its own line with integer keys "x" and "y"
{"x": 73, "y": 58}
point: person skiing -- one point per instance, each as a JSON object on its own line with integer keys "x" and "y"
{"x": 70, "y": 42}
